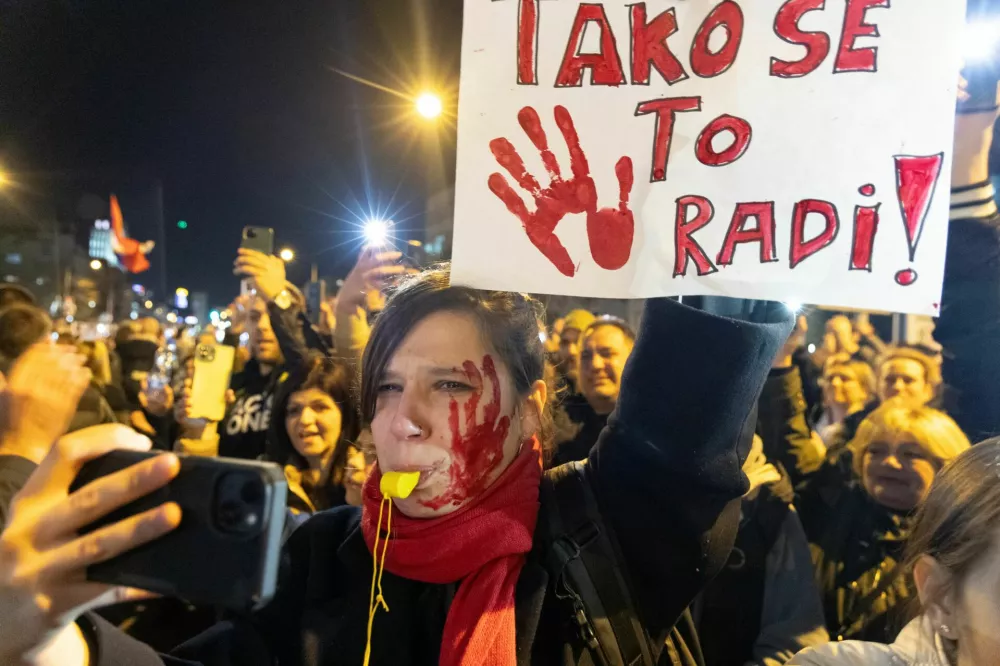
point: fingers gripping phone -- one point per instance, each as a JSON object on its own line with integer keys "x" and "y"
{"x": 227, "y": 548}
{"x": 213, "y": 365}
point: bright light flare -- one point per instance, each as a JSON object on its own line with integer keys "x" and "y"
{"x": 95, "y": 265}
{"x": 287, "y": 254}
{"x": 980, "y": 41}
{"x": 377, "y": 232}
{"x": 429, "y": 105}
{"x": 794, "y": 306}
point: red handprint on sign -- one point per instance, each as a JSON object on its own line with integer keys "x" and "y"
{"x": 610, "y": 231}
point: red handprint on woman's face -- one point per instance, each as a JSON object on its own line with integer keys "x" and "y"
{"x": 478, "y": 449}
{"x": 609, "y": 230}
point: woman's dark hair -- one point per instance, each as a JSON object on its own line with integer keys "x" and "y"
{"x": 334, "y": 378}
{"x": 958, "y": 522}
{"x": 509, "y": 323}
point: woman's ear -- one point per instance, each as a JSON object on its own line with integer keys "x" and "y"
{"x": 533, "y": 408}
{"x": 934, "y": 586}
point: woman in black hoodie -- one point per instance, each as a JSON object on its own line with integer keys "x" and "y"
{"x": 452, "y": 387}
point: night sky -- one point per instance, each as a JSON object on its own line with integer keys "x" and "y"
{"x": 234, "y": 108}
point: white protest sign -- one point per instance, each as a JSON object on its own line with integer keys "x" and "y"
{"x": 794, "y": 150}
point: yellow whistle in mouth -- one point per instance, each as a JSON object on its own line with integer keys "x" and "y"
{"x": 399, "y": 484}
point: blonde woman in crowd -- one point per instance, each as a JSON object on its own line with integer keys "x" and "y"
{"x": 954, "y": 554}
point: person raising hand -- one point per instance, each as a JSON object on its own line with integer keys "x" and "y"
{"x": 37, "y": 404}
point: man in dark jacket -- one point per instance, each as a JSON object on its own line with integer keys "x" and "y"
{"x": 604, "y": 349}
{"x": 276, "y": 343}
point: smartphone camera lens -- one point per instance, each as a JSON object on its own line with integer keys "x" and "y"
{"x": 239, "y": 504}
{"x": 251, "y": 233}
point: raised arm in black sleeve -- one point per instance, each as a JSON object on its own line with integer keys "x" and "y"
{"x": 667, "y": 469}
{"x": 784, "y": 428}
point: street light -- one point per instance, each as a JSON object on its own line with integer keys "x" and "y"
{"x": 377, "y": 232}
{"x": 429, "y": 105}
{"x": 287, "y": 254}
{"x": 95, "y": 264}
{"x": 980, "y": 41}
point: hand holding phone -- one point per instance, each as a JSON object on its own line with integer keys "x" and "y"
{"x": 226, "y": 549}
{"x": 213, "y": 365}
{"x": 260, "y": 239}
{"x": 266, "y": 272}
{"x": 44, "y": 555}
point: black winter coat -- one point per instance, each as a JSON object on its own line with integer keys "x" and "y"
{"x": 673, "y": 449}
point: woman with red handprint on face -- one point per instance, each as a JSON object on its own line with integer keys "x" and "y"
{"x": 610, "y": 231}
{"x": 452, "y": 389}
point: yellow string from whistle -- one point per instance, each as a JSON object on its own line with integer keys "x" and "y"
{"x": 378, "y": 567}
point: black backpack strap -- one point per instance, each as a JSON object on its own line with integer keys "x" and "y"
{"x": 585, "y": 564}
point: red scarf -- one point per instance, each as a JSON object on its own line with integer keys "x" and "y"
{"x": 483, "y": 544}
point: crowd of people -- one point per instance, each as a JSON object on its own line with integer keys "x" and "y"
{"x": 701, "y": 490}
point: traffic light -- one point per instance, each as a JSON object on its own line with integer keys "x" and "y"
{"x": 182, "y": 224}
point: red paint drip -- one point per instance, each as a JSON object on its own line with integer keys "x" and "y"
{"x": 916, "y": 180}
{"x": 479, "y": 450}
{"x": 610, "y": 231}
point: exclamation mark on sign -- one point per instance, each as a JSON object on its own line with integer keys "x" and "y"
{"x": 916, "y": 178}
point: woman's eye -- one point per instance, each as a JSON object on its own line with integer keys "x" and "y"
{"x": 387, "y": 388}
{"x": 453, "y": 386}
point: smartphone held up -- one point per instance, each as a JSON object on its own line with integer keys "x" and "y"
{"x": 226, "y": 549}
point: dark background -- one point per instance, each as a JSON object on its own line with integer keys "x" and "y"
{"x": 233, "y": 108}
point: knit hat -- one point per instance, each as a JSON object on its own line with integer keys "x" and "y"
{"x": 578, "y": 319}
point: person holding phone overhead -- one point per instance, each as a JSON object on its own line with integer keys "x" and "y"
{"x": 274, "y": 345}
{"x": 453, "y": 389}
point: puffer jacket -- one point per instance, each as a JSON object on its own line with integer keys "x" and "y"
{"x": 917, "y": 645}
